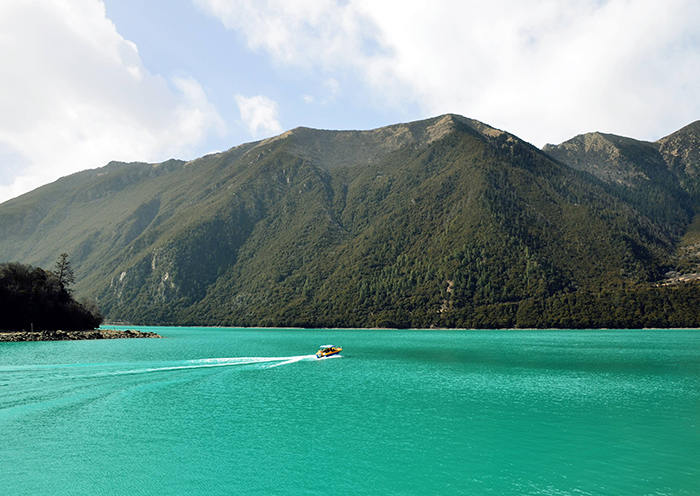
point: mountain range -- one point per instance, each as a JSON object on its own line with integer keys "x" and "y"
{"x": 444, "y": 222}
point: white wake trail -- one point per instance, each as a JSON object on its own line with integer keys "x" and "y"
{"x": 293, "y": 360}
{"x": 220, "y": 362}
{"x": 87, "y": 370}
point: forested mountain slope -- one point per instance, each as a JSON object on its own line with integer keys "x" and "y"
{"x": 661, "y": 179}
{"x": 441, "y": 222}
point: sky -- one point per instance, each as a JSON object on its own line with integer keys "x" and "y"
{"x": 84, "y": 82}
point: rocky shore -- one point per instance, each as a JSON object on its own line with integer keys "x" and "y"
{"x": 74, "y": 335}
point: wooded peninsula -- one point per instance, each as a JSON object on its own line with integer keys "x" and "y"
{"x": 37, "y": 305}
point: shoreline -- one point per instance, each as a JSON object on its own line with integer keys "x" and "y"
{"x": 59, "y": 335}
{"x": 418, "y": 329}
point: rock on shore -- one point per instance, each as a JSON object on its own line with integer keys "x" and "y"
{"x": 74, "y": 335}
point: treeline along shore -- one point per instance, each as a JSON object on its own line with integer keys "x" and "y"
{"x": 37, "y": 305}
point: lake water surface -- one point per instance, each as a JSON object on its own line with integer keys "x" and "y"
{"x": 243, "y": 411}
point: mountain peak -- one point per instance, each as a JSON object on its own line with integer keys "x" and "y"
{"x": 681, "y": 150}
{"x": 423, "y": 130}
{"x": 690, "y": 130}
{"x": 614, "y": 159}
{"x": 442, "y": 126}
{"x": 340, "y": 148}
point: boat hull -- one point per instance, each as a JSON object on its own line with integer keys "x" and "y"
{"x": 325, "y": 354}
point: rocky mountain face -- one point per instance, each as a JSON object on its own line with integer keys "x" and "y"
{"x": 662, "y": 179}
{"x": 681, "y": 151}
{"x": 443, "y": 222}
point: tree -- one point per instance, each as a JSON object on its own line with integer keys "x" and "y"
{"x": 64, "y": 271}
{"x": 31, "y": 297}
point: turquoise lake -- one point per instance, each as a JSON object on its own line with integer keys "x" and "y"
{"x": 241, "y": 411}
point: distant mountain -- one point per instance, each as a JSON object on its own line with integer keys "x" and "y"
{"x": 442, "y": 222}
{"x": 681, "y": 151}
{"x": 660, "y": 179}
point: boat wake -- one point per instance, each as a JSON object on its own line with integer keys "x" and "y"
{"x": 60, "y": 385}
{"x": 202, "y": 363}
{"x": 87, "y": 370}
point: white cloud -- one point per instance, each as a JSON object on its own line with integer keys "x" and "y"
{"x": 332, "y": 86}
{"x": 544, "y": 70}
{"x": 304, "y": 32}
{"x": 75, "y": 95}
{"x": 259, "y": 114}
{"x": 330, "y": 91}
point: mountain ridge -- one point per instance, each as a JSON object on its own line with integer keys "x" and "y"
{"x": 440, "y": 222}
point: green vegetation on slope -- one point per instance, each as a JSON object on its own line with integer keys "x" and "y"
{"x": 445, "y": 222}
